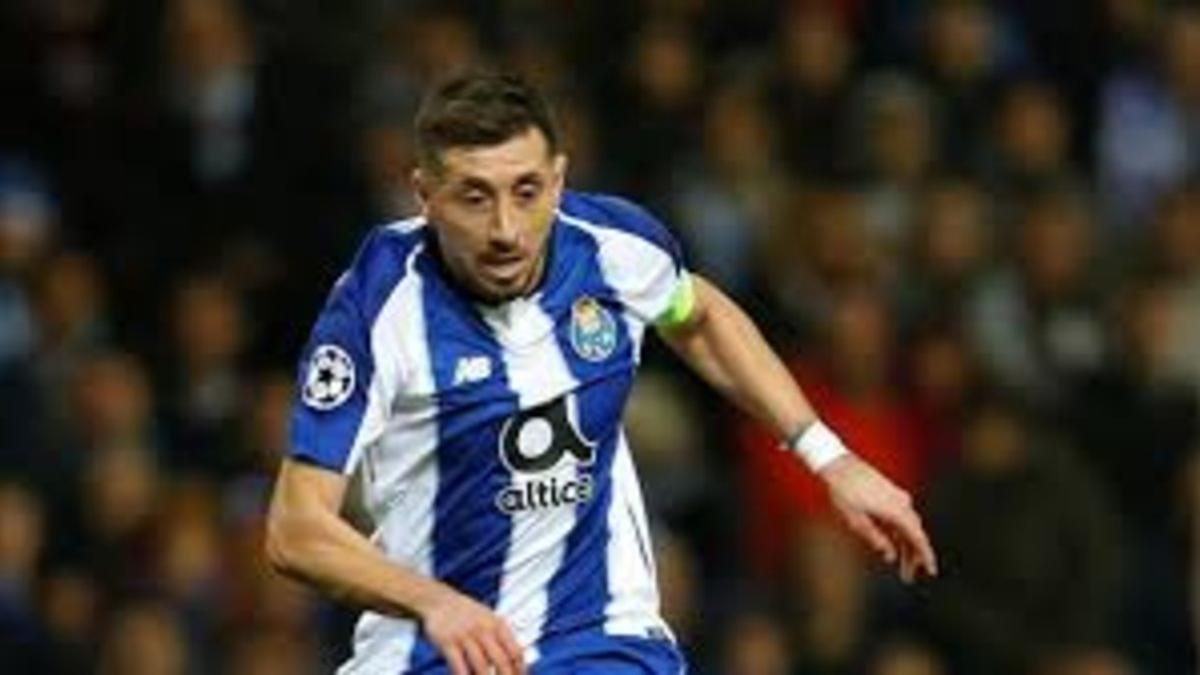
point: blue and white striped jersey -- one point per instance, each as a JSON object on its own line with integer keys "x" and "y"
{"x": 488, "y": 439}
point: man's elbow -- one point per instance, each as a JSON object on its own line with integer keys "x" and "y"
{"x": 283, "y": 544}
{"x": 277, "y": 548}
{"x": 299, "y": 520}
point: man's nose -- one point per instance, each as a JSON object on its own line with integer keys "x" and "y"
{"x": 506, "y": 226}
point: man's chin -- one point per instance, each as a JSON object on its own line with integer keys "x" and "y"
{"x": 497, "y": 292}
{"x": 496, "y": 297}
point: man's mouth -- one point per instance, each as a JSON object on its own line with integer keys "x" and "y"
{"x": 504, "y": 269}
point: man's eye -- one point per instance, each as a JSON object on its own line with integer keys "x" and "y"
{"x": 528, "y": 192}
{"x": 473, "y": 198}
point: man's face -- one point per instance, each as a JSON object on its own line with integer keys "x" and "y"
{"x": 492, "y": 207}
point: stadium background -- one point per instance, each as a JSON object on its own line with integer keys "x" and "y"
{"x": 971, "y": 227}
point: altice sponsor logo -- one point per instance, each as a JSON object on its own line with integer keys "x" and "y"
{"x": 547, "y": 456}
{"x": 545, "y": 493}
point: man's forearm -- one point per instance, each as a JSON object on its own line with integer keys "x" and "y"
{"x": 319, "y": 548}
{"x": 307, "y": 539}
{"x": 727, "y": 350}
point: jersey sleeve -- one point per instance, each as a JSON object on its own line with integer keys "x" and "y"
{"x": 644, "y": 263}
{"x": 340, "y": 404}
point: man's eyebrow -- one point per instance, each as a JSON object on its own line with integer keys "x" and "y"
{"x": 476, "y": 183}
{"x": 528, "y": 177}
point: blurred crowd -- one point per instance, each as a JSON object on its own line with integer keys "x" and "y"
{"x": 973, "y": 229}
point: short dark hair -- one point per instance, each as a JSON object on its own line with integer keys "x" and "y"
{"x": 478, "y": 109}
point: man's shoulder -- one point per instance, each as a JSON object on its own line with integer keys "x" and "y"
{"x": 614, "y": 213}
{"x": 383, "y": 260}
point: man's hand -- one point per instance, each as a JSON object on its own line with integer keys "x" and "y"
{"x": 473, "y": 639}
{"x": 881, "y": 514}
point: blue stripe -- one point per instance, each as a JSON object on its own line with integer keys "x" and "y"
{"x": 470, "y": 536}
{"x": 578, "y": 592}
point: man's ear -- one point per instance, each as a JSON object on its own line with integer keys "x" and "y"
{"x": 422, "y": 185}
{"x": 560, "y": 171}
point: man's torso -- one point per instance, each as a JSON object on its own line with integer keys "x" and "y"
{"x": 486, "y": 440}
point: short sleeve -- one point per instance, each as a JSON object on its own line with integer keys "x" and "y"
{"x": 333, "y": 385}
{"x": 642, "y": 260}
{"x": 342, "y": 392}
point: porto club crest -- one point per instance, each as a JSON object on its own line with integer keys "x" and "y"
{"x": 593, "y": 330}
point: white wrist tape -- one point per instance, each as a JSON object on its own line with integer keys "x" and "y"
{"x": 818, "y": 446}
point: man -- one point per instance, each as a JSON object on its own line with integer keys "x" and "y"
{"x": 470, "y": 370}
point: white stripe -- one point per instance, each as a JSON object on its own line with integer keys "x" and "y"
{"x": 642, "y": 274}
{"x": 374, "y": 420}
{"x": 537, "y": 372}
{"x": 634, "y": 605}
{"x": 407, "y": 225}
{"x": 402, "y": 471}
{"x": 389, "y": 365}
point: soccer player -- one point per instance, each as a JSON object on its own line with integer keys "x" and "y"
{"x": 463, "y": 386}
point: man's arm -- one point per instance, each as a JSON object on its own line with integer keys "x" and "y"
{"x": 717, "y": 340}
{"x": 308, "y": 540}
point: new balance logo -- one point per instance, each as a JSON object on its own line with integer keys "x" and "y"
{"x": 472, "y": 369}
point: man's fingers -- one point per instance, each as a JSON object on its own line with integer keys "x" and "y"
{"x": 914, "y": 542}
{"x": 475, "y": 657}
{"x": 914, "y": 534}
{"x": 454, "y": 657}
{"x": 908, "y": 563}
{"x": 512, "y": 648}
{"x": 497, "y": 655}
{"x": 926, "y": 556}
{"x": 864, "y": 527}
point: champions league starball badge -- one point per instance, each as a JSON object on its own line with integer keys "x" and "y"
{"x": 330, "y": 378}
{"x": 593, "y": 330}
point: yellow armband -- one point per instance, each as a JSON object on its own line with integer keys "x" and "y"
{"x": 683, "y": 301}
